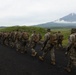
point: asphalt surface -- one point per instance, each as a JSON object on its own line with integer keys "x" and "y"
{"x": 15, "y": 63}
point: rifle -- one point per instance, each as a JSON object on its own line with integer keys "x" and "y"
{"x": 68, "y": 48}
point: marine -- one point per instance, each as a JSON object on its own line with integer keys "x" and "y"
{"x": 59, "y": 39}
{"x": 71, "y": 51}
{"x": 49, "y": 47}
{"x": 24, "y": 41}
{"x": 33, "y": 42}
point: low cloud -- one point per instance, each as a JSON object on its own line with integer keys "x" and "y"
{"x": 30, "y": 12}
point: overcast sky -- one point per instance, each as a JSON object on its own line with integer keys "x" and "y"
{"x": 32, "y": 12}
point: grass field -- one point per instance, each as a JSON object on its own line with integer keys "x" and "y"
{"x": 64, "y": 31}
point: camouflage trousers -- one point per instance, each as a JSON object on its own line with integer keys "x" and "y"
{"x": 23, "y": 46}
{"x": 20, "y": 46}
{"x": 59, "y": 43}
{"x": 71, "y": 62}
{"x": 72, "y": 58}
{"x": 33, "y": 45}
{"x": 49, "y": 48}
{"x": 44, "y": 44}
{"x": 6, "y": 42}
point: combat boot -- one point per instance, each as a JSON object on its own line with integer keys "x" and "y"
{"x": 41, "y": 58}
{"x": 53, "y": 62}
{"x": 68, "y": 69}
{"x": 34, "y": 54}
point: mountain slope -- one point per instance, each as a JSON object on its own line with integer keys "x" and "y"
{"x": 69, "y": 18}
{"x": 66, "y": 21}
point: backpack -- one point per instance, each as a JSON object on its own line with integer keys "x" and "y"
{"x": 35, "y": 38}
{"x": 25, "y": 35}
{"x": 60, "y": 37}
{"x": 39, "y": 36}
{"x": 52, "y": 39}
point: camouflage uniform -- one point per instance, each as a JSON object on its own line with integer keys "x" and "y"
{"x": 39, "y": 36}
{"x": 5, "y": 36}
{"x": 71, "y": 51}
{"x": 33, "y": 42}
{"x": 24, "y": 41}
{"x": 12, "y": 38}
{"x": 59, "y": 39}
{"x": 1, "y": 37}
{"x": 49, "y": 47}
{"x": 46, "y": 38}
{"x": 18, "y": 40}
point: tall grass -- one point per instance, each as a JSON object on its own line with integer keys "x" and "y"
{"x": 24, "y": 28}
{"x": 64, "y": 31}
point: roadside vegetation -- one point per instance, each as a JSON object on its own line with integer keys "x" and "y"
{"x": 64, "y": 31}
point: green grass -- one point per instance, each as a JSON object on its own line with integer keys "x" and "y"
{"x": 24, "y": 28}
{"x": 64, "y": 31}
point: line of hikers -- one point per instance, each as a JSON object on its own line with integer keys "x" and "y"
{"x": 22, "y": 40}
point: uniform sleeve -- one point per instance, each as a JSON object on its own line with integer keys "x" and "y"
{"x": 45, "y": 37}
{"x": 72, "y": 39}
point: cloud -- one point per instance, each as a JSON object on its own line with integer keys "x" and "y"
{"x": 29, "y": 12}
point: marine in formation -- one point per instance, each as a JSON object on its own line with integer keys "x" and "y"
{"x": 21, "y": 40}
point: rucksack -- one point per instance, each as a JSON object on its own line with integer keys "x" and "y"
{"x": 25, "y": 35}
{"x": 35, "y": 38}
{"x": 52, "y": 39}
{"x": 60, "y": 37}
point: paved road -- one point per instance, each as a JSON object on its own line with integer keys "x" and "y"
{"x": 15, "y": 63}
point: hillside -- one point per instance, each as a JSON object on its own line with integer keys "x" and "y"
{"x": 68, "y": 21}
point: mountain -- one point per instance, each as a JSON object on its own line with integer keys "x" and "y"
{"x": 68, "y": 21}
{"x": 2, "y": 26}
